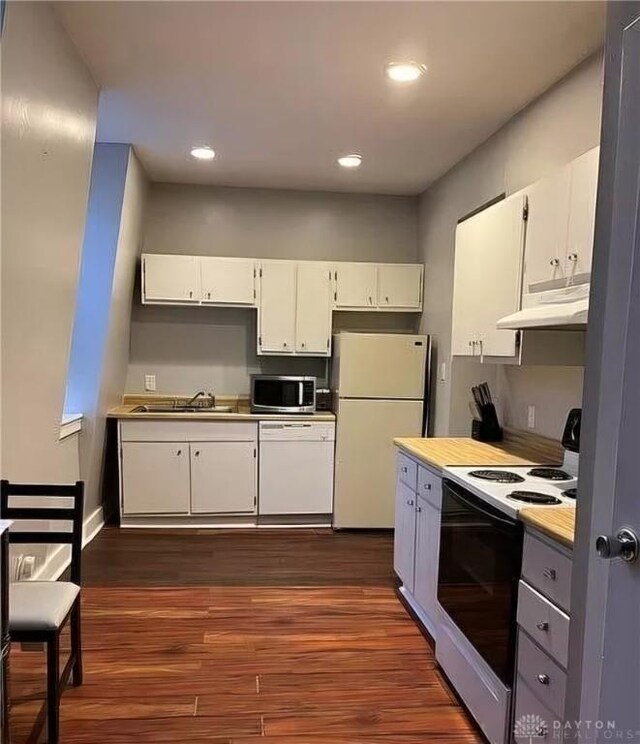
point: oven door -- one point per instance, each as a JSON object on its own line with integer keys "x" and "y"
{"x": 478, "y": 573}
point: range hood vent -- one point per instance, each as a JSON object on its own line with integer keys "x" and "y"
{"x": 566, "y": 308}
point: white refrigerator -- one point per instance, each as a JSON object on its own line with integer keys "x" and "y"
{"x": 380, "y": 390}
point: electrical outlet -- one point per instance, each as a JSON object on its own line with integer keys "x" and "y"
{"x": 531, "y": 417}
{"x": 150, "y": 383}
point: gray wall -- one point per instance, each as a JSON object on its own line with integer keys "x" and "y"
{"x": 48, "y": 131}
{"x": 100, "y": 348}
{"x": 560, "y": 125}
{"x": 211, "y": 348}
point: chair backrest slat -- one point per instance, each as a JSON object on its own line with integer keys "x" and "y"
{"x": 38, "y": 535}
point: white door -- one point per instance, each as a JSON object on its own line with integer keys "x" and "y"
{"x": 467, "y": 274}
{"x": 547, "y": 228}
{"x": 604, "y": 645}
{"x": 400, "y": 286}
{"x": 380, "y": 365}
{"x": 223, "y": 477}
{"x": 501, "y": 231}
{"x": 155, "y": 478}
{"x": 582, "y": 213}
{"x": 365, "y": 481}
{"x": 404, "y": 536}
{"x": 277, "y": 313}
{"x": 356, "y": 285}
{"x": 227, "y": 281}
{"x": 427, "y": 554}
{"x": 170, "y": 278}
{"x": 314, "y": 309}
{"x": 296, "y": 477}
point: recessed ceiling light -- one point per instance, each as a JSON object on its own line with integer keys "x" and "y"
{"x": 405, "y": 72}
{"x": 353, "y": 160}
{"x": 203, "y": 153}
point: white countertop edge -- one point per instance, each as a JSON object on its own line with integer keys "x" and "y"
{"x": 70, "y": 424}
{"x": 4, "y": 525}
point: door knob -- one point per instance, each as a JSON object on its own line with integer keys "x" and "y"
{"x": 625, "y": 545}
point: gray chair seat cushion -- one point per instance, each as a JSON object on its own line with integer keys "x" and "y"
{"x": 40, "y": 605}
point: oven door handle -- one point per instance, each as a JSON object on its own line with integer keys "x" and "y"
{"x": 490, "y": 515}
{"x": 300, "y": 393}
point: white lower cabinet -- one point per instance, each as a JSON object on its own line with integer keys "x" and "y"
{"x": 417, "y": 536}
{"x": 155, "y": 478}
{"x": 223, "y": 478}
{"x": 405, "y": 534}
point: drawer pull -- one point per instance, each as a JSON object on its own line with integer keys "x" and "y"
{"x": 404, "y": 468}
{"x": 427, "y": 486}
{"x": 543, "y": 679}
{"x": 550, "y": 573}
{"x": 542, "y": 626}
{"x": 410, "y": 502}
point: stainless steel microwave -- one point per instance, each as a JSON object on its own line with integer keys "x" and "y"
{"x": 283, "y": 394}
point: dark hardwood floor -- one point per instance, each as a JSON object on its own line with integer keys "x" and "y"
{"x": 281, "y": 637}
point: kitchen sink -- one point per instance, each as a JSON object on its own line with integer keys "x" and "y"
{"x": 171, "y": 408}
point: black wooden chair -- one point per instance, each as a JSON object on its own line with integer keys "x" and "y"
{"x": 39, "y": 610}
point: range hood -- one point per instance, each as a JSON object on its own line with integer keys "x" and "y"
{"x": 565, "y": 308}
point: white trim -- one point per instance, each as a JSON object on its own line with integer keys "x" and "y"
{"x": 70, "y": 424}
{"x": 59, "y": 560}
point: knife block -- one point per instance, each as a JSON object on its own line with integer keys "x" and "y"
{"x": 487, "y": 429}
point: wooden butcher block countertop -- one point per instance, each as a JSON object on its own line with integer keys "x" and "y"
{"x": 558, "y": 522}
{"x": 518, "y": 448}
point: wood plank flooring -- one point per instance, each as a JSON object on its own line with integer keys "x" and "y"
{"x": 274, "y": 637}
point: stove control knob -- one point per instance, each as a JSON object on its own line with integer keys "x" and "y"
{"x": 625, "y": 545}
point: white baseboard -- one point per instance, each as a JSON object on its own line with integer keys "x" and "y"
{"x": 58, "y": 561}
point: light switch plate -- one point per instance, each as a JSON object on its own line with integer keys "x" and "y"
{"x": 150, "y": 383}
{"x": 531, "y": 417}
{"x": 443, "y": 372}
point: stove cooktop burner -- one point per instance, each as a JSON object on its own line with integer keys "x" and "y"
{"x": 533, "y": 497}
{"x": 552, "y": 474}
{"x": 570, "y": 493}
{"x": 497, "y": 476}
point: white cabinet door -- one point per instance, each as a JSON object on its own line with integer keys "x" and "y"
{"x": 405, "y": 534}
{"x": 400, "y": 286}
{"x": 547, "y": 228}
{"x": 277, "y": 314}
{"x": 356, "y": 285}
{"x": 155, "y": 478}
{"x": 223, "y": 477}
{"x": 170, "y": 278}
{"x": 426, "y": 560}
{"x": 227, "y": 281}
{"x": 582, "y": 213}
{"x": 314, "y": 306}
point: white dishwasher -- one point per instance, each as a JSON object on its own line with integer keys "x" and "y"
{"x": 296, "y": 467}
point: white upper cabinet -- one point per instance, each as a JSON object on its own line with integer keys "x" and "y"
{"x": 582, "y": 213}
{"x": 277, "y": 313}
{"x": 356, "y": 286}
{"x": 488, "y": 279}
{"x": 561, "y": 221}
{"x": 400, "y": 286}
{"x": 227, "y": 281}
{"x": 314, "y": 308}
{"x": 170, "y": 279}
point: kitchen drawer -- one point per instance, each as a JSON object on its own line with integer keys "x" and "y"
{"x": 188, "y": 431}
{"x": 542, "y": 674}
{"x": 533, "y": 720}
{"x": 544, "y": 622}
{"x": 408, "y": 471}
{"x": 548, "y": 570}
{"x": 430, "y": 486}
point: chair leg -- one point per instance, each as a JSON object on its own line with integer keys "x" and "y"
{"x": 53, "y": 689}
{"x": 76, "y": 643}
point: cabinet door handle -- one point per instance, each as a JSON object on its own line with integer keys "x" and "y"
{"x": 543, "y": 679}
{"x": 550, "y": 573}
{"x": 427, "y": 486}
{"x": 542, "y": 626}
{"x": 178, "y": 453}
{"x": 410, "y": 502}
{"x": 285, "y": 344}
{"x": 418, "y": 509}
{"x": 386, "y": 299}
{"x": 197, "y": 453}
{"x": 208, "y": 295}
{"x": 404, "y": 468}
{"x": 573, "y": 257}
{"x": 190, "y": 293}
{"x": 303, "y": 344}
{"x": 370, "y": 301}
{"x": 554, "y": 262}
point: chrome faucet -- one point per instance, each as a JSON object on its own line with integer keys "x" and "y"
{"x": 201, "y": 394}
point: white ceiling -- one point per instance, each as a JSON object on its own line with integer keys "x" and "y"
{"x": 280, "y": 89}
